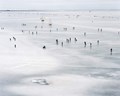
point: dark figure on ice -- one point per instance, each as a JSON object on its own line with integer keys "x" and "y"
{"x": 10, "y": 39}
{"x": 36, "y": 32}
{"x": 101, "y": 30}
{"x": 22, "y": 30}
{"x": 65, "y": 29}
{"x": 32, "y": 33}
{"x": 98, "y": 29}
{"x": 118, "y": 33}
{"x": 73, "y": 28}
{"x": 56, "y": 41}
{"x": 111, "y": 50}
{"x": 44, "y": 47}
{"x": 62, "y": 44}
{"x": 70, "y": 39}
{"x": 90, "y": 45}
{"x": 15, "y": 45}
{"x": 14, "y": 38}
{"x": 85, "y": 44}
{"x": 35, "y": 27}
{"x": 67, "y": 40}
{"x": 84, "y": 33}
{"x": 98, "y": 42}
{"x": 75, "y": 39}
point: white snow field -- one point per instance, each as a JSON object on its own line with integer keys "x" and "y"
{"x": 69, "y": 68}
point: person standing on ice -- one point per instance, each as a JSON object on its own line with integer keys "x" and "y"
{"x": 84, "y": 33}
{"x": 70, "y": 39}
{"x": 32, "y": 33}
{"x": 111, "y": 50}
{"x": 73, "y": 28}
{"x": 85, "y": 44}
{"x": 98, "y": 29}
{"x": 22, "y": 31}
{"x": 56, "y": 41}
{"x": 67, "y": 40}
{"x": 15, "y": 46}
{"x": 10, "y": 39}
{"x": 90, "y": 45}
{"x": 62, "y": 44}
{"x": 36, "y": 32}
{"x": 44, "y": 47}
{"x": 14, "y": 38}
{"x": 98, "y": 42}
{"x": 75, "y": 39}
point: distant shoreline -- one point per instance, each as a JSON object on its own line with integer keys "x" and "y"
{"x": 58, "y": 10}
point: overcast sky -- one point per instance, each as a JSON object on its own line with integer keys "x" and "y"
{"x": 59, "y": 4}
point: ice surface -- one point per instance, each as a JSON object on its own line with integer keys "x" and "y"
{"x": 69, "y": 70}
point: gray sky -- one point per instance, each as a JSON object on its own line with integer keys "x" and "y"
{"x": 59, "y": 4}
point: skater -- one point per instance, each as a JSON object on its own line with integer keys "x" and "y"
{"x": 67, "y": 40}
{"x": 56, "y": 41}
{"x": 15, "y": 46}
{"x": 111, "y": 50}
{"x": 101, "y": 30}
{"x": 90, "y": 45}
{"x": 35, "y": 27}
{"x": 98, "y": 42}
{"x": 75, "y": 39}
{"x": 70, "y": 39}
{"x": 50, "y": 24}
{"x": 10, "y": 39}
{"x": 65, "y": 29}
{"x": 14, "y": 38}
{"x": 73, "y": 28}
{"x": 36, "y": 32}
{"x": 98, "y": 29}
{"x": 84, "y": 33}
{"x": 32, "y": 33}
{"x": 85, "y": 44}
{"x": 62, "y": 44}
{"x": 44, "y": 47}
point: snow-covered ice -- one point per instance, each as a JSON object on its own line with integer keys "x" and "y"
{"x": 71, "y": 69}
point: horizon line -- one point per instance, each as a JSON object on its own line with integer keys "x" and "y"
{"x": 61, "y": 10}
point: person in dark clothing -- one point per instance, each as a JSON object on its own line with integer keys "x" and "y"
{"x": 14, "y": 38}
{"x": 111, "y": 50}
{"x": 10, "y": 39}
{"x": 98, "y": 42}
{"x": 84, "y": 33}
{"x": 70, "y": 39}
{"x": 62, "y": 44}
{"x": 90, "y": 45}
{"x": 75, "y": 39}
{"x": 44, "y": 47}
{"x": 85, "y": 44}
{"x": 56, "y": 41}
{"x": 15, "y": 46}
